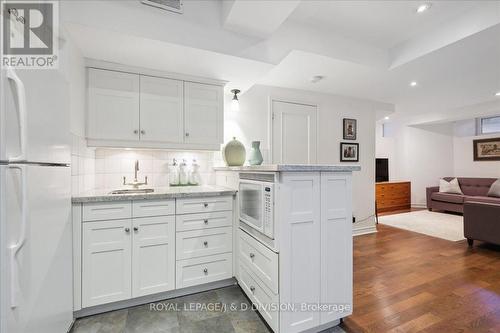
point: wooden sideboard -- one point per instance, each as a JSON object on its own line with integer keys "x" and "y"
{"x": 392, "y": 196}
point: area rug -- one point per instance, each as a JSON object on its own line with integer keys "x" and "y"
{"x": 440, "y": 225}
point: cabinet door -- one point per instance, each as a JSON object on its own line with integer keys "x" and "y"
{"x": 106, "y": 262}
{"x": 113, "y": 108}
{"x": 204, "y": 112}
{"x": 299, "y": 260}
{"x": 161, "y": 109}
{"x": 153, "y": 259}
{"x": 336, "y": 245}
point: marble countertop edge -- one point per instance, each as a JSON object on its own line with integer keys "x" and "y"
{"x": 293, "y": 168}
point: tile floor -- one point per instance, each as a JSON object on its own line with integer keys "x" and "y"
{"x": 177, "y": 316}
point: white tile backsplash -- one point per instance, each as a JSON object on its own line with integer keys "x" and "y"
{"x": 82, "y": 165}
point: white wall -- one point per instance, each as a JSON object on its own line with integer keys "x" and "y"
{"x": 252, "y": 122}
{"x": 463, "y": 161}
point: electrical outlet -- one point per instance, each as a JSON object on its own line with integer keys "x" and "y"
{"x": 354, "y": 219}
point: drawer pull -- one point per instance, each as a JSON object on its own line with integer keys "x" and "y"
{"x": 252, "y": 255}
{"x": 205, "y": 205}
{"x": 206, "y": 221}
{"x": 205, "y": 243}
{"x": 252, "y": 289}
{"x": 127, "y": 230}
{"x": 136, "y": 228}
{"x": 205, "y": 271}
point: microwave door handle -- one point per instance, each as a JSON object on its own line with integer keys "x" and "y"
{"x": 22, "y": 114}
{"x": 14, "y": 249}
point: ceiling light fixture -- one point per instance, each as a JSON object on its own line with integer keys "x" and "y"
{"x": 235, "y": 103}
{"x": 423, "y": 7}
{"x": 497, "y": 94}
{"x": 386, "y": 117}
{"x": 413, "y": 84}
{"x": 317, "y": 78}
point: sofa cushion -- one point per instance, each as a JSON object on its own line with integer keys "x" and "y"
{"x": 495, "y": 189}
{"x": 451, "y": 186}
{"x": 491, "y": 200}
{"x": 448, "y": 197}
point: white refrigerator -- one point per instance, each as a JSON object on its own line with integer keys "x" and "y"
{"x": 35, "y": 203}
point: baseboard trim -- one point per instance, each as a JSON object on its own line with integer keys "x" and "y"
{"x": 153, "y": 298}
{"x": 417, "y": 205}
{"x": 365, "y": 230}
{"x": 323, "y": 327}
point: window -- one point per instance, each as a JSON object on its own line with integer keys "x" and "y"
{"x": 488, "y": 125}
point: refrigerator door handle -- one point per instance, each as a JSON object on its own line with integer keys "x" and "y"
{"x": 14, "y": 249}
{"x": 21, "y": 102}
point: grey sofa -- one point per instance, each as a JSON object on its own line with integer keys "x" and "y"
{"x": 482, "y": 222}
{"x": 474, "y": 190}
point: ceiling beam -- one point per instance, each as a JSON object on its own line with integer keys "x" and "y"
{"x": 258, "y": 18}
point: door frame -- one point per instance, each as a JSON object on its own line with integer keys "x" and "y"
{"x": 273, "y": 99}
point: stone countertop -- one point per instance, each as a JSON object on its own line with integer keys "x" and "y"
{"x": 293, "y": 168}
{"x": 158, "y": 194}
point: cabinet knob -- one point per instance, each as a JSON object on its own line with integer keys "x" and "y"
{"x": 252, "y": 288}
{"x": 127, "y": 229}
{"x": 205, "y": 205}
{"x": 187, "y": 134}
{"x": 136, "y": 131}
{"x": 252, "y": 255}
{"x": 205, "y": 271}
{"x": 136, "y": 228}
{"x": 206, "y": 221}
{"x": 143, "y": 132}
{"x": 205, "y": 243}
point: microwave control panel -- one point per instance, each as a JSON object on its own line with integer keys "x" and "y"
{"x": 268, "y": 210}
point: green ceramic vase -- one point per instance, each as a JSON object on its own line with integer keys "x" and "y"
{"x": 255, "y": 157}
{"x": 234, "y": 153}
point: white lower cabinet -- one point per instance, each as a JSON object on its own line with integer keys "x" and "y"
{"x": 153, "y": 255}
{"x": 136, "y": 248}
{"x": 107, "y": 265}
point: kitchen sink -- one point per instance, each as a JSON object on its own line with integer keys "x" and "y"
{"x": 133, "y": 191}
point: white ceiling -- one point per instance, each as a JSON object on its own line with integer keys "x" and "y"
{"x": 366, "y": 49}
{"x": 380, "y": 23}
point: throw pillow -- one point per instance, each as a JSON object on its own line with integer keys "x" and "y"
{"x": 450, "y": 187}
{"x": 495, "y": 189}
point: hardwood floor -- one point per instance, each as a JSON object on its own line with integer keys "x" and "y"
{"x": 409, "y": 282}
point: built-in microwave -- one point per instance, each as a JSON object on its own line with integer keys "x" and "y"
{"x": 256, "y": 199}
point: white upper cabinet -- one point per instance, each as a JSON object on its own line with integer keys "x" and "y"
{"x": 143, "y": 111}
{"x": 161, "y": 109}
{"x": 204, "y": 113}
{"x": 113, "y": 105}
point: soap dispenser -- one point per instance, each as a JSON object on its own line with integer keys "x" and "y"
{"x": 183, "y": 173}
{"x": 173, "y": 175}
{"x": 194, "y": 176}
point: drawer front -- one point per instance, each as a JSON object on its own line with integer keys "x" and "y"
{"x": 199, "y": 221}
{"x": 192, "y": 272}
{"x": 204, "y": 205}
{"x": 259, "y": 295}
{"x": 198, "y": 243}
{"x": 107, "y": 211}
{"x": 146, "y": 208}
{"x": 262, "y": 261}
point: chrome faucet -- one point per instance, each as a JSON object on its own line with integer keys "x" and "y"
{"x": 136, "y": 183}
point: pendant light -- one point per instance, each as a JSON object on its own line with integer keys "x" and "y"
{"x": 235, "y": 103}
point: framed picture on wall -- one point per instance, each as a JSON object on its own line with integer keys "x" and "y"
{"x": 487, "y": 149}
{"x": 349, "y": 152}
{"x": 350, "y": 129}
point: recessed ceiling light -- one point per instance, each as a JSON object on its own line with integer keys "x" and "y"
{"x": 413, "y": 84}
{"x": 317, "y": 78}
{"x": 423, "y": 7}
{"x": 497, "y": 94}
{"x": 386, "y": 117}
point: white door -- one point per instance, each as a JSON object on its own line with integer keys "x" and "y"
{"x": 107, "y": 261}
{"x": 336, "y": 245}
{"x": 299, "y": 260}
{"x": 36, "y": 280}
{"x": 113, "y": 109}
{"x": 204, "y": 113}
{"x": 153, "y": 260}
{"x": 294, "y": 133}
{"x": 161, "y": 109}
